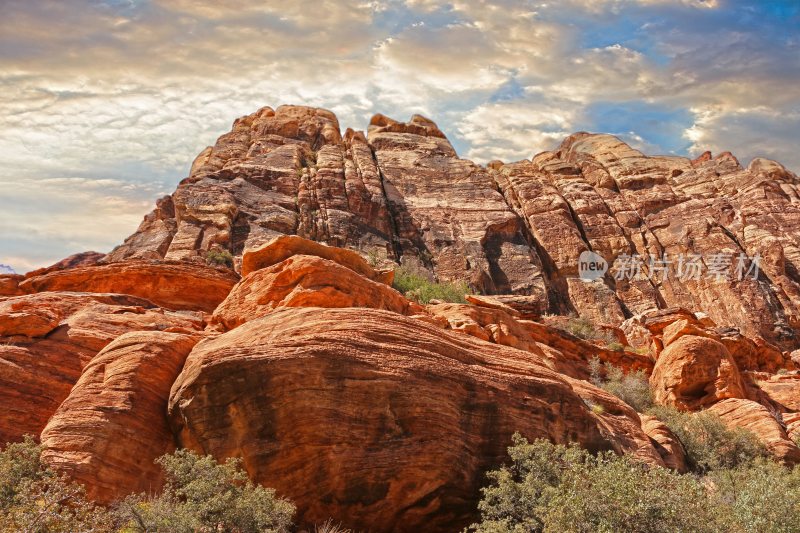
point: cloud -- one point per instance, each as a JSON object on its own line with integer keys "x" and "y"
{"x": 104, "y": 104}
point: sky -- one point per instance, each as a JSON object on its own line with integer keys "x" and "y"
{"x": 104, "y": 104}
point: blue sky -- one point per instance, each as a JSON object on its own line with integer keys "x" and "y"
{"x": 104, "y": 104}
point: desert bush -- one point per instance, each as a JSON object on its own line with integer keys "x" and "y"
{"x": 34, "y": 498}
{"x": 632, "y": 388}
{"x": 416, "y": 286}
{"x": 219, "y": 257}
{"x": 709, "y": 443}
{"x": 761, "y": 496}
{"x": 585, "y": 329}
{"x": 556, "y": 488}
{"x": 203, "y": 495}
{"x": 609, "y": 493}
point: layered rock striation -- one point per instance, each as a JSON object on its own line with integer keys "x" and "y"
{"x": 401, "y": 192}
{"x": 252, "y": 315}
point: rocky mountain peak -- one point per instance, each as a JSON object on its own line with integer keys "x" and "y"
{"x": 401, "y": 192}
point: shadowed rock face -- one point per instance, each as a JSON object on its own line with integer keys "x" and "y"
{"x": 401, "y": 192}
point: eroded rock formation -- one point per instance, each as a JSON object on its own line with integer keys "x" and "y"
{"x": 252, "y": 315}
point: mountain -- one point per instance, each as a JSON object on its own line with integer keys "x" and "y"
{"x": 254, "y": 314}
{"x": 508, "y": 228}
{"x": 5, "y": 269}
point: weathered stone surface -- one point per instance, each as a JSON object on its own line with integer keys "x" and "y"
{"x": 402, "y": 194}
{"x": 286, "y": 246}
{"x": 783, "y": 391}
{"x": 447, "y": 212}
{"x": 76, "y": 260}
{"x": 9, "y": 284}
{"x": 174, "y": 285}
{"x": 314, "y": 376}
{"x": 312, "y": 399}
{"x": 110, "y": 429}
{"x": 665, "y": 442}
{"x": 46, "y": 339}
{"x": 560, "y": 350}
{"x": 525, "y": 307}
{"x": 304, "y": 281}
{"x": 694, "y": 372}
{"x": 752, "y": 416}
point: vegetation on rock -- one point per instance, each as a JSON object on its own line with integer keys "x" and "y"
{"x": 201, "y": 493}
{"x": 219, "y": 257}
{"x": 34, "y": 498}
{"x": 632, "y": 388}
{"x": 565, "y": 489}
{"x": 709, "y": 443}
{"x": 416, "y": 286}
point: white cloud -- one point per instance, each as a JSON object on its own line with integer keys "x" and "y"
{"x": 112, "y": 104}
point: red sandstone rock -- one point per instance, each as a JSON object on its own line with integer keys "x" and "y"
{"x": 783, "y": 391}
{"x": 402, "y": 194}
{"x": 76, "y": 260}
{"x": 311, "y": 399}
{"x": 665, "y": 442}
{"x": 304, "y": 281}
{"x": 9, "y": 285}
{"x": 46, "y": 339}
{"x": 110, "y": 429}
{"x": 286, "y": 246}
{"x": 748, "y": 414}
{"x": 174, "y": 285}
{"x": 693, "y": 372}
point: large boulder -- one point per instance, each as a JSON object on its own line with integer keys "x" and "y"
{"x": 110, "y": 429}
{"x": 694, "y": 372}
{"x": 384, "y": 422}
{"x": 304, "y": 281}
{"x": 666, "y": 443}
{"x": 747, "y": 414}
{"x": 286, "y": 246}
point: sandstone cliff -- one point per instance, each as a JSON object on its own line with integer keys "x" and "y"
{"x": 403, "y": 193}
{"x": 252, "y": 315}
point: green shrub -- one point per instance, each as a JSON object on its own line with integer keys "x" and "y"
{"x": 416, "y": 286}
{"x": 203, "y": 495}
{"x": 761, "y": 496}
{"x": 34, "y": 498}
{"x": 219, "y": 257}
{"x": 613, "y": 494}
{"x": 616, "y": 346}
{"x": 632, "y": 388}
{"x": 709, "y": 443}
{"x": 585, "y": 329}
{"x": 556, "y": 488}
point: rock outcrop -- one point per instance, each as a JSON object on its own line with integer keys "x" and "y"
{"x": 297, "y": 355}
{"x": 402, "y": 193}
{"x": 380, "y": 420}
{"x": 174, "y": 285}
{"x": 111, "y": 428}
{"x": 47, "y": 339}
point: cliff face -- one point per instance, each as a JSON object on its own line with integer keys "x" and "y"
{"x": 359, "y": 404}
{"x": 401, "y": 192}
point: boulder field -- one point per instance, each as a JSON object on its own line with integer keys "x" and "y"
{"x": 252, "y": 315}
